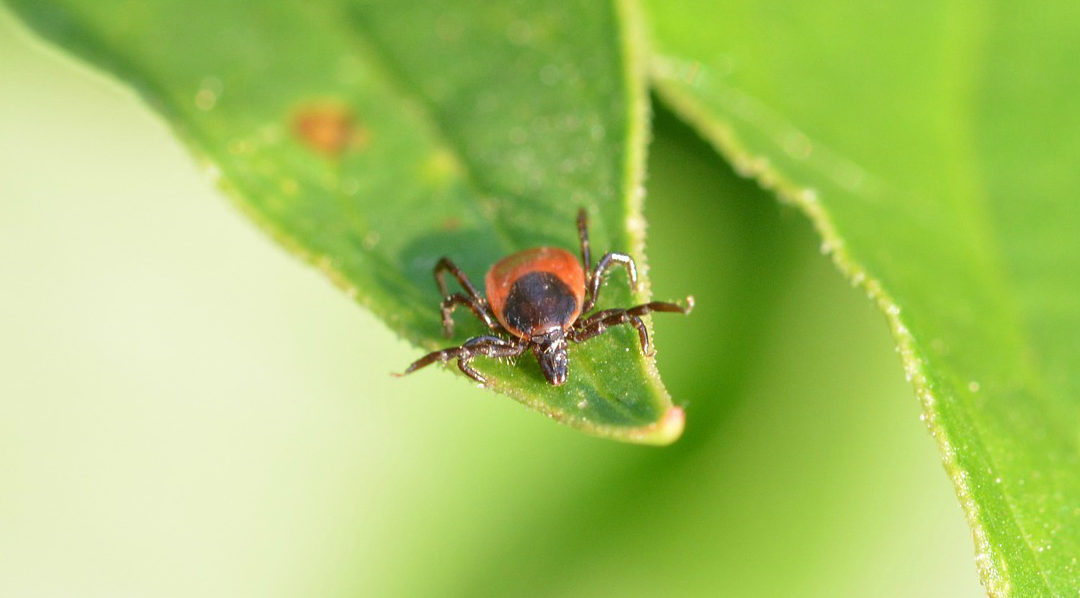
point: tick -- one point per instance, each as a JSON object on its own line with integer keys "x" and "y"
{"x": 538, "y": 297}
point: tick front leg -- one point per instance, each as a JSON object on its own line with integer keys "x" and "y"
{"x": 596, "y": 277}
{"x": 489, "y": 346}
{"x": 597, "y": 323}
{"x": 644, "y": 308}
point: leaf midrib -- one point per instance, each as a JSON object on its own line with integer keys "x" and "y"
{"x": 394, "y": 77}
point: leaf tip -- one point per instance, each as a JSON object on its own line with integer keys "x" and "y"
{"x": 662, "y": 432}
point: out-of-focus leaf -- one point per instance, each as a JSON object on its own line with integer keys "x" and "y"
{"x": 934, "y": 147}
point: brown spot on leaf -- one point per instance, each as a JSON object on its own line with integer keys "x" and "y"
{"x": 328, "y": 128}
{"x": 450, "y": 224}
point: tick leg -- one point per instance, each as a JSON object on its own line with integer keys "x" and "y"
{"x": 595, "y": 326}
{"x": 597, "y": 323}
{"x": 480, "y": 309}
{"x": 474, "y": 301}
{"x": 593, "y": 277}
{"x": 597, "y": 276}
{"x": 489, "y": 346}
{"x": 644, "y": 308}
{"x": 583, "y": 234}
{"x": 443, "y": 266}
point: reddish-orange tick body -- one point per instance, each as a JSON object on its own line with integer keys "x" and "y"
{"x": 538, "y": 296}
{"x": 536, "y": 290}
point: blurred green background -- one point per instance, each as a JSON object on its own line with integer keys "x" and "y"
{"x": 187, "y": 410}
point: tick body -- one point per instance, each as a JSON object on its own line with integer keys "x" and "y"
{"x": 537, "y": 297}
{"x": 536, "y": 290}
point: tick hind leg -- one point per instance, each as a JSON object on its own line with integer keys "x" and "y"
{"x": 448, "y": 304}
{"x": 473, "y": 301}
{"x": 488, "y": 346}
{"x": 599, "y": 322}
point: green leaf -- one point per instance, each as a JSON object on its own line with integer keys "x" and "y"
{"x": 934, "y": 148}
{"x": 371, "y": 138}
